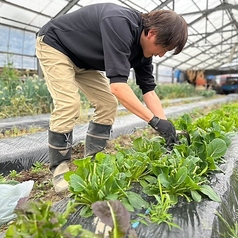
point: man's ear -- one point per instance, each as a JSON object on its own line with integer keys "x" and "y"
{"x": 151, "y": 33}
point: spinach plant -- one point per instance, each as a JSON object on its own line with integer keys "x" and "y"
{"x": 165, "y": 175}
{"x": 101, "y": 180}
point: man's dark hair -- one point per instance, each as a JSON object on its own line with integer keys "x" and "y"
{"x": 170, "y": 29}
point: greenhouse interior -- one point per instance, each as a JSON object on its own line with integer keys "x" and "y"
{"x": 119, "y": 119}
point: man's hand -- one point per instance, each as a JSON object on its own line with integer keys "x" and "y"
{"x": 165, "y": 128}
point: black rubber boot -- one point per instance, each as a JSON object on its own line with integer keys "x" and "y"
{"x": 96, "y": 138}
{"x": 60, "y": 150}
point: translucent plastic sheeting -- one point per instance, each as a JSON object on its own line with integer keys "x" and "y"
{"x": 25, "y": 122}
{"x": 212, "y": 31}
{"x": 43, "y": 120}
{"x": 9, "y": 197}
{"x": 22, "y": 152}
{"x": 195, "y": 219}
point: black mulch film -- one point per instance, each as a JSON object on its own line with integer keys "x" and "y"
{"x": 22, "y": 152}
{"x": 196, "y": 220}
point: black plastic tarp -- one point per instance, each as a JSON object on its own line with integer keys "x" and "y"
{"x": 196, "y": 220}
{"x": 22, "y": 152}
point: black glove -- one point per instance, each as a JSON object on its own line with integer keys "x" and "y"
{"x": 165, "y": 128}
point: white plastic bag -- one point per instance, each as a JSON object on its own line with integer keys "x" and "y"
{"x": 9, "y": 196}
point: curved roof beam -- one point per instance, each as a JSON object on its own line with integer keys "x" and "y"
{"x": 203, "y": 38}
{"x": 204, "y": 51}
{"x": 66, "y": 8}
{"x": 223, "y": 6}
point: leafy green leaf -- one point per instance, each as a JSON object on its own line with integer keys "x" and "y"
{"x": 77, "y": 183}
{"x": 164, "y": 180}
{"x": 37, "y": 219}
{"x": 173, "y": 198}
{"x": 181, "y": 175}
{"x": 127, "y": 205}
{"x": 207, "y": 190}
{"x": 150, "y": 179}
{"x": 112, "y": 197}
{"x": 136, "y": 200}
{"x": 150, "y": 191}
{"x": 196, "y": 196}
{"x": 86, "y": 211}
{"x": 138, "y": 143}
{"x": 74, "y": 230}
{"x": 216, "y": 148}
{"x": 189, "y": 182}
{"x": 211, "y": 164}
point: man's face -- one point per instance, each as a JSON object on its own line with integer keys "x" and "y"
{"x": 148, "y": 45}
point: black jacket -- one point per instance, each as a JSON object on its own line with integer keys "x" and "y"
{"x": 103, "y": 37}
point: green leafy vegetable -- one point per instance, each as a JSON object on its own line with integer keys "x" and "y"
{"x": 36, "y": 219}
{"x": 207, "y": 190}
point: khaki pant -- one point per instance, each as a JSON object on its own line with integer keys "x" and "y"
{"x": 64, "y": 79}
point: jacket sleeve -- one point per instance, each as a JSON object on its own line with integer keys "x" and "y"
{"x": 117, "y": 38}
{"x": 144, "y": 76}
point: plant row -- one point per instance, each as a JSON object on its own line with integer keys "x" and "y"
{"x": 23, "y": 96}
{"x": 148, "y": 178}
{"x": 182, "y": 171}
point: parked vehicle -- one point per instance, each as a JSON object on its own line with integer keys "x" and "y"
{"x": 230, "y": 85}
